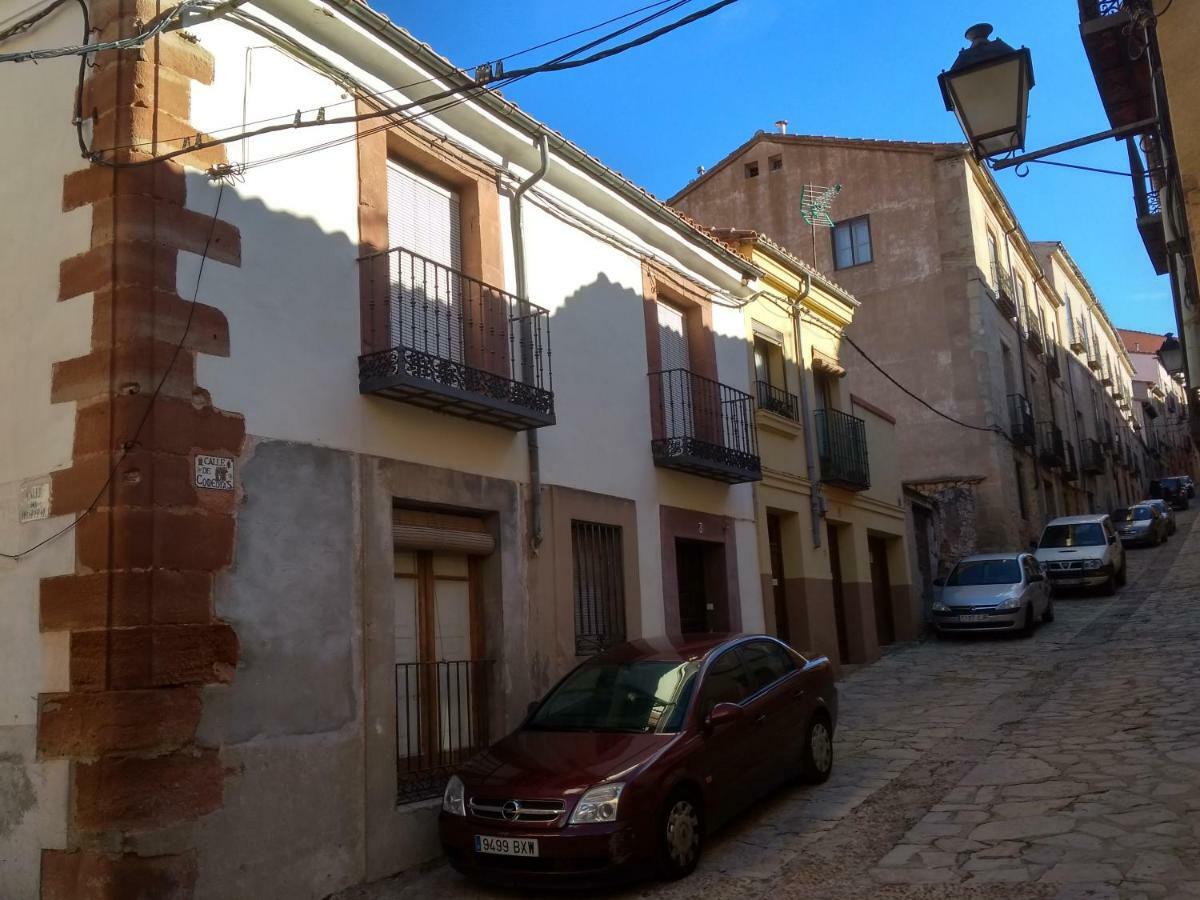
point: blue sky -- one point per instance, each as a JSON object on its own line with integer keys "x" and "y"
{"x": 858, "y": 68}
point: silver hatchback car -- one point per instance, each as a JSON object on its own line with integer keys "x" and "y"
{"x": 993, "y": 592}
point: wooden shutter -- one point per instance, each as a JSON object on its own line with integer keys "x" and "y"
{"x": 672, "y": 338}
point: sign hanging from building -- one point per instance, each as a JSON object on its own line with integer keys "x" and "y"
{"x": 214, "y": 473}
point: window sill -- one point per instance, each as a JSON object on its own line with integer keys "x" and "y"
{"x": 777, "y": 424}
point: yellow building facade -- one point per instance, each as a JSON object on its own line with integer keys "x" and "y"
{"x": 833, "y": 550}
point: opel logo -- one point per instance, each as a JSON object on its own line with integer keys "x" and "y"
{"x": 511, "y": 810}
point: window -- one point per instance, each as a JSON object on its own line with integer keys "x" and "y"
{"x": 979, "y": 572}
{"x": 724, "y": 683}
{"x": 1021, "y": 490}
{"x": 632, "y": 697}
{"x": 766, "y": 663}
{"x": 752, "y": 170}
{"x": 599, "y": 586}
{"x": 1056, "y": 537}
{"x": 993, "y": 260}
{"x": 852, "y": 243}
{"x": 775, "y": 162}
{"x": 768, "y": 363}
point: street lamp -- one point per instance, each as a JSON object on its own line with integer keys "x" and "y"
{"x": 987, "y": 88}
{"x": 1170, "y": 354}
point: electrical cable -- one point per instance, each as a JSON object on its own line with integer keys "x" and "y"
{"x": 559, "y": 64}
{"x": 27, "y": 23}
{"x": 158, "y": 26}
{"x": 129, "y": 444}
{"x": 557, "y": 40}
{"x": 996, "y": 429}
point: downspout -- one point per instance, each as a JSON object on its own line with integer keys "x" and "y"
{"x": 1037, "y": 473}
{"x": 518, "y": 239}
{"x": 816, "y": 504}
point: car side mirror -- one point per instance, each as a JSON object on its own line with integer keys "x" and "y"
{"x": 723, "y": 714}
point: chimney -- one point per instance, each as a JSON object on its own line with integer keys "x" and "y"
{"x": 781, "y": 126}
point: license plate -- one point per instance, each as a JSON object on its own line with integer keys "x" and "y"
{"x": 972, "y": 618}
{"x": 503, "y": 846}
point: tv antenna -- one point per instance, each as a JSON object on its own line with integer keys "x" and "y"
{"x": 815, "y": 201}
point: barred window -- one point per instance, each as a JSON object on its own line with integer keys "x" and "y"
{"x": 599, "y": 586}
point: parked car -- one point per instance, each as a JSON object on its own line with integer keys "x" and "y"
{"x": 1082, "y": 551}
{"x": 1173, "y": 490}
{"x": 635, "y": 756}
{"x": 1167, "y": 513}
{"x": 993, "y": 592}
{"x": 1139, "y": 524}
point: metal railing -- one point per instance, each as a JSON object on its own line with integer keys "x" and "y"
{"x": 1005, "y": 293}
{"x": 1098, "y": 9}
{"x": 777, "y": 400}
{"x": 703, "y": 426}
{"x": 1020, "y": 419}
{"x": 1052, "y": 357}
{"x": 1070, "y": 469}
{"x": 455, "y": 331}
{"x": 1105, "y": 432}
{"x": 1051, "y": 449}
{"x": 842, "y": 449}
{"x": 1092, "y": 457}
{"x": 441, "y": 721}
{"x": 1033, "y": 331}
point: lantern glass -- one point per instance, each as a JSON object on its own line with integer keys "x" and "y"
{"x": 1170, "y": 354}
{"x": 987, "y": 88}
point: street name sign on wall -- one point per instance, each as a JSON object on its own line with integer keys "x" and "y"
{"x": 214, "y": 473}
{"x": 35, "y": 501}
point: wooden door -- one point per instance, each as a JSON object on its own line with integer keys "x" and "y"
{"x": 881, "y": 589}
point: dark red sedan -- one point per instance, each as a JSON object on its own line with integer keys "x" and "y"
{"x": 636, "y": 755}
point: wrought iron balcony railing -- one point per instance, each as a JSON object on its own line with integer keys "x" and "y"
{"x": 441, "y": 722}
{"x": 1020, "y": 419}
{"x": 1006, "y": 297}
{"x": 777, "y": 400}
{"x": 1105, "y": 432}
{"x": 1033, "y": 331}
{"x": 1053, "y": 359}
{"x": 1078, "y": 341}
{"x": 1092, "y": 457}
{"x": 1051, "y": 450}
{"x": 1097, "y": 9}
{"x": 842, "y": 450}
{"x": 703, "y": 427}
{"x": 442, "y": 340}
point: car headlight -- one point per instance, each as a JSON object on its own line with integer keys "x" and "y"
{"x": 1009, "y": 603}
{"x": 1093, "y": 563}
{"x": 939, "y": 606}
{"x": 454, "y": 799}
{"x": 599, "y": 804}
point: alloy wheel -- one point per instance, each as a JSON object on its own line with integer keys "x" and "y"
{"x": 821, "y": 746}
{"x": 683, "y": 833}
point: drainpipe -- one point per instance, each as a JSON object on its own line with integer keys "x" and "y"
{"x": 1037, "y": 472}
{"x": 816, "y": 504}
{"x": 531, "y": 435}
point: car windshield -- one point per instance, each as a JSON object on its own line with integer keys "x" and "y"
{"x": 1084, "y": 534}
{"x": 1141, "y": 513}
{"x": 637, "y": 697}
{"x": 984, "y": 571}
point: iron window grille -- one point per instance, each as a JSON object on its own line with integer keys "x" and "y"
{"x": 842, "y": 450}
{"x": 441, "y": 722}
{"x": 1006, "y": 294}
{"x": 1092, "y": 457}
{"x": 599, "y": 586}
{"x": 1051, "y": 449}
{"x": 450, "y": 342}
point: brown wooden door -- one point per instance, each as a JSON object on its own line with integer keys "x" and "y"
{"x": 881, "y": 588}
{"x": 693, "y": 594}
{"x": 778, "y": 579}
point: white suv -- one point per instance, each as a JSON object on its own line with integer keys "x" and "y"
{"x": 1082, "y": 551}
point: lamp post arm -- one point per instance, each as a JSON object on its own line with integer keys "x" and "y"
{"x": 1115, "y": 133}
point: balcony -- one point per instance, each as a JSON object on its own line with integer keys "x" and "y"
{"x": 1051, "y": 450}
{"x": 1105, "y": 431}
{"x": 1122, "y": 76}
{"x": 1005, "y": 294}
{"x": 1020, "y": 420}
{"x": 1148, "y": 209}
{"x": 442, "y": 340}
{"x": 1033, "y": 332}
{"x": 1078, "y": 342}
{"x": 1070, "y": 469}
{"x": 842, "y": 450}
{"x": 776, "y": 400}
{"x": 1091, "y": 457}
{"x": 441, "y": 722}
{"x": 1052, "y": 359}
{"x": 703, "y": 427}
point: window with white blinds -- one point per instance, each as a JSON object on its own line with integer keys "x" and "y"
{"x": 424, "y": 219}
{"x": 676, "y": 388}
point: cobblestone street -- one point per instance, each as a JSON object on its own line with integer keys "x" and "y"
{"x": 1062, "y": 766}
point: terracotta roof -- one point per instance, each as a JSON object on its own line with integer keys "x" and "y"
{"x": 863, "y": 143}
{"x": 732, "y": 235}
{"x": 1141, "y": 341}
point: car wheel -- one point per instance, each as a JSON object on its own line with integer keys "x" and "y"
{"x": 818, "y": 750}
{"x": 1110, "y": 586}
{"x": 1120, "y": 577}
{"x": 682, "y": 833}
{"x": 1028, "y": 627}
{"x": 1048, "y": 613}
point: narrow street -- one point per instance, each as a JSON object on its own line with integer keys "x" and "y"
{"x": 1062, "y": 766}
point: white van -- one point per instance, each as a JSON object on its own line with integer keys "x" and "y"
{"x": 1082, "y": 551}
